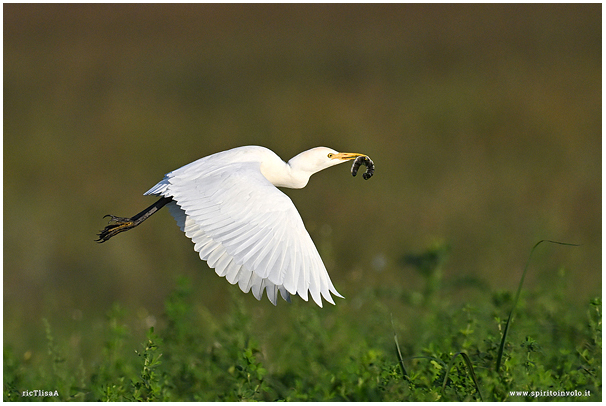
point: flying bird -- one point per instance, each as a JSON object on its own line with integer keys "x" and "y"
{"x": 245, "y": 228}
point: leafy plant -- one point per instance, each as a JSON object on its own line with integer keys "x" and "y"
{"x": 449, "y": 353}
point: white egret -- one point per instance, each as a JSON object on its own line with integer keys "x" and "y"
{"x": 242, "y": 225}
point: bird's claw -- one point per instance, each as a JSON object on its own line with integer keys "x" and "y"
{"x": 120, "y": 224}
{"x": 117, "y": 219}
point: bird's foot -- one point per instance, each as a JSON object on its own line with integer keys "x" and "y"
{"x": 120, "y": 224}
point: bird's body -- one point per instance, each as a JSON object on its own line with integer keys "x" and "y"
{"x": 242, "y": 225}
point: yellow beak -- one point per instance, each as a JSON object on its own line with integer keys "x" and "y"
{"x": 346, "y": 156}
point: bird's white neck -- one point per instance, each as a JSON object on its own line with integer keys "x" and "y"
{"x": 294, "y": 174}
{"x": 283, "y": 174}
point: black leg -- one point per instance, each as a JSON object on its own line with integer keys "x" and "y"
{"x": 124, "y": 224}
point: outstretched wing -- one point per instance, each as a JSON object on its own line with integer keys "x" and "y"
{"x": 247, "y": 230}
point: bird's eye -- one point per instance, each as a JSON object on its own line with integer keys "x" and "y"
{"x": 330, "y": 155}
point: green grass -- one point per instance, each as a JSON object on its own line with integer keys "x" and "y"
{"x": 448, "y": 352}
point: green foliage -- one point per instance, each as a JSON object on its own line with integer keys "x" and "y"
{"x": 203, "y": 357}
{"x": 517, "y": 298}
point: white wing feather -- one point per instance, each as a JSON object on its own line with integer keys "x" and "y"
{"x": 247, "y": 230}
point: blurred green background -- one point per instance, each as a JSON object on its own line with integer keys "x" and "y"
{"x": 484, "y": 122}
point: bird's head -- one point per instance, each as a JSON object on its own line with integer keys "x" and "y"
{"x": 301, "y": 167}
{"x": 316, "y": 159}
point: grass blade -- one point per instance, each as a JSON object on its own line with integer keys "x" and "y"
{"x": 469, "y": 367}
{"x": 398, "y": 352}
{"x": 515, "y": 301}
